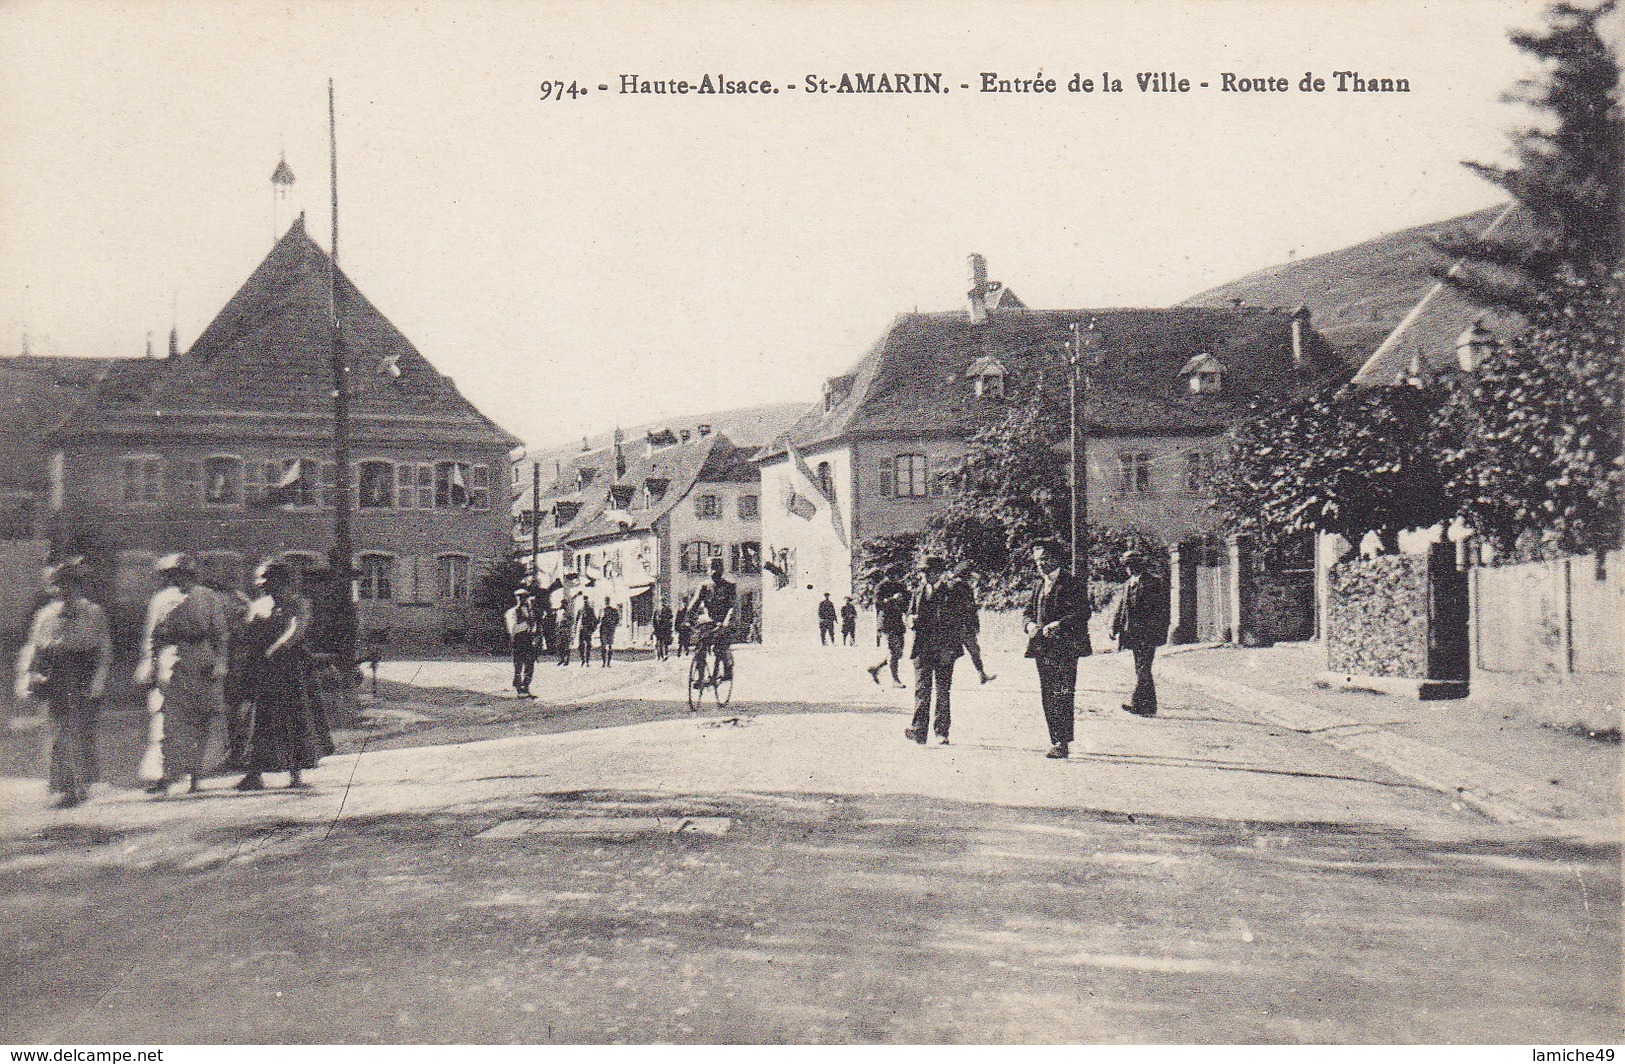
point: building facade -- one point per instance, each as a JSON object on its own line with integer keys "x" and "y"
{"x": 226, "y": 452}
{"x": 1161, "y": 388}
{"x": 641, "y": 524}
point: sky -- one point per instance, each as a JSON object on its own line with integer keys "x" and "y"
{"x": 615, "y": 259}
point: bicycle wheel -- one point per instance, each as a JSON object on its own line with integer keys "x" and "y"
{"x": 722, "y": 689}
{"x": 696, "y": 667}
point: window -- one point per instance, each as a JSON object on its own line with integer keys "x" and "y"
{"x": 620, "y": 497}
{"x": 749, "y": 507}
{"x": 707, "y": 506}
{"x": 406, "y": 486}
{"x": 1134, "y": 473}
{"x": 223, "y": 480}
{"x": 564, "y": 513}
{"x": 908, "y": 476}
{"x": 826, "y": 480}
{"x": 697, "y": 556}
{"x": 459, "y": 485}
{"x": 376, "y": 480}
{"x": 451, "y": 571}
{"x": 425, "y": 486}
{"x": 1207, "y": 382}
{"x": 300, "y": 474}
{"x": 377, "y": 577}
{"x": 1199, "y": 473}
{"x": 140, "y": 479}
{"x": 584, "y": 477}
{"x": 745, "y": 558}
{"x": 654, "y": 490}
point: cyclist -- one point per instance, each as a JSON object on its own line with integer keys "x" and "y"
{"x": 711, "y": 613}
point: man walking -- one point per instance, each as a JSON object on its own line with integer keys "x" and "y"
{"x": 849, "y": 623}
{"x": 662, "y": 628}
{"x": 826, "y": 622}
{"x": 521, "y": 622}
{"x": 891, "y": 624}
{"x": 608, "y": 621}
{"x": 1141, "y": 625}
{"x": 586, "y": 626}
{"x": 1057, "y": 626}
{"x": 943, "y": 614}
{"x": 571, "y": 599}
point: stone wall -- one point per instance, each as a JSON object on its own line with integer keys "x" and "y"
{"x": 1377, "y": 622}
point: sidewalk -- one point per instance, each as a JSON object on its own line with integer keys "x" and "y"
{"x": 1496, "y": 755}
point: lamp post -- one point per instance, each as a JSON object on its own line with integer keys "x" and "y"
{"x": 1078, "y": 367}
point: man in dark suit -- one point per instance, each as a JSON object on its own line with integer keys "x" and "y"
{"x": 944, "y": 616}
{"x": 1057, "y": 626}
{"x": 1141, "y": 625}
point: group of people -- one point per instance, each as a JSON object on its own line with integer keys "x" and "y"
{"x": 562, "y": 617}
{"x": 826, "y": 622}
{"x": 555, "y": 622}
{"x": 203, "y": 654}
{"x": 944, "y": 617}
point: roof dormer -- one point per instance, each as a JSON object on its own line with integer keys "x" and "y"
{"x": 836, "y": 389}
{"x": 1205, "y": 374}
{"x": 987, "y": 375}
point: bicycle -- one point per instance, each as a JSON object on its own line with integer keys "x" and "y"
{"x": 705, "y": 671}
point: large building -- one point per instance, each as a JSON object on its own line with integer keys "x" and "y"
{"x": 1164, "y": 385}
{"x": 226, "y": 451}
{"x": 642, "y": 522}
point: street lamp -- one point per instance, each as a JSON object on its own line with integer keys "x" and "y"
{"x": 1082, "y": 340}
{"x": 1473, "y": 346}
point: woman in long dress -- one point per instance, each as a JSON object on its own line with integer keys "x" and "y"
{"x": 65, "y": 660}
{"x": 284, "y": 737}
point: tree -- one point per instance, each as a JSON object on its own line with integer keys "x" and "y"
{"x": 1006, "y": 493}
{"x": 1532, "y": 444}
{"x": 1566, "y": 180}
{"x": 884, "y": 558}
{"x": 1347, "y": 460}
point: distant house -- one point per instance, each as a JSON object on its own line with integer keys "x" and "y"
{"x": 1165, "y": 385}
{"x": 643, "y": 520}
{"x": 36, "y": 392}
{"x": 225, "y": 451}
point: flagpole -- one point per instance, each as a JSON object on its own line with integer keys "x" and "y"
{"x": 340, "y": 559}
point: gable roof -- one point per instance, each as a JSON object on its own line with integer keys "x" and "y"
{"x": 911, "y": 383}
{"x": 268, "y": 352}
{"x": 708, "y": 459}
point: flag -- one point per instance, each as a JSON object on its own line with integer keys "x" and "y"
{"x": 286, "y": 489}
{"x": 804, "y": 484}
{"x": 459, "y": 495}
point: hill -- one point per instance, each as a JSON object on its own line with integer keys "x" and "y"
{"x": 1358, "y": 295}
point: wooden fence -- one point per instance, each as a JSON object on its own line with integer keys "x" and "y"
{"x": 1552, "y": 618}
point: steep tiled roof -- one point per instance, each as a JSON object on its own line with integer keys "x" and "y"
{"x": 36, "y": 394}
{"x": 708, "y": 459}
{"x": 268, "y": 352}
{"x": 912, "y": 382}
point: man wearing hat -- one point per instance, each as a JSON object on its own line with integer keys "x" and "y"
{"x": 185, "y": 648}
{"x": 521, "y": 622}
{"x": 64, "y": 660}
{"x": 1141, "y": 625}
{"x": 944, "y": 618}
{"x": 1057, "y": 627}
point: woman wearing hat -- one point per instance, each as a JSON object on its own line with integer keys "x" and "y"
{"x": 65, "y": 660}
{"x": 285, "y": 738}
{"x": 185, "y": 652}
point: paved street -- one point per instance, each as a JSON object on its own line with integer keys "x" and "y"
{"x": 602, "y": 866}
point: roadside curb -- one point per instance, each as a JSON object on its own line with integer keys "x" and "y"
{"x": 1487, "y": 788}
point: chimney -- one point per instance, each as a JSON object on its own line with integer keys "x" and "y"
{"x": 1300, "y": 318}
{"x": 174, "y": 342}
{"x": 978, "y": 288}
{"x": 705, "y": 430}
{"x": 620, "y": 455}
